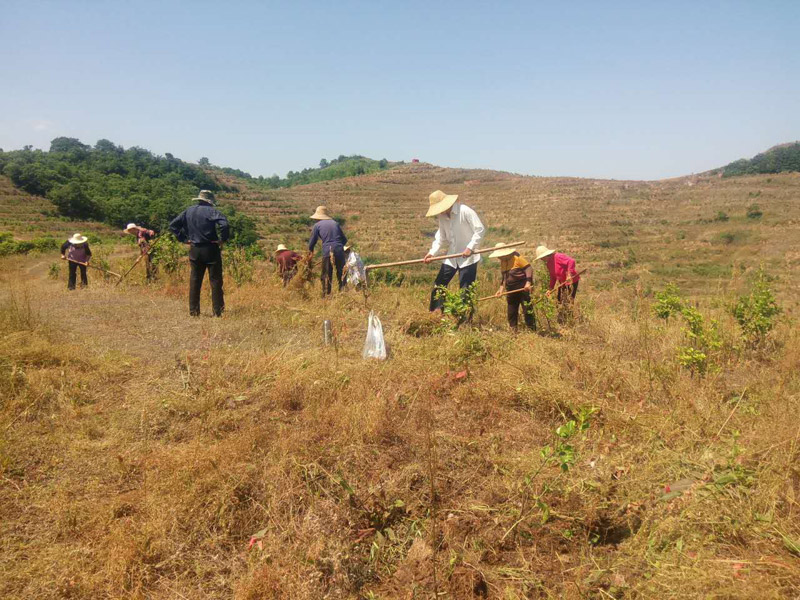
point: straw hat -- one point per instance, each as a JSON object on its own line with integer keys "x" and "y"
{"x": 503, "y": 252}
{"x": 78, "y": 239}
{"x": 440, "y": 202}
{"x": 321, "y": 214}
{"x": 280, "y": 247}
{"x": 543, "y": 252}
{"x": 130, "y": 226}
{"x": 206, "y": 196}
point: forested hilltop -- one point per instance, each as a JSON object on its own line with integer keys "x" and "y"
{"x": 778, "y": 159}
{"x": 336, "y": 168}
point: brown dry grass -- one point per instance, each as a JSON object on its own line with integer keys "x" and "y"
{"x": 141, "y": 450}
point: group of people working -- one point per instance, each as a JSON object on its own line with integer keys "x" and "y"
{"x": 205, "y": 229}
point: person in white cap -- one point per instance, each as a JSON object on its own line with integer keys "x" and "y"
{"x": 143, "y": 238}
{"x": 76, "y": 250}
{"x": 287, "y": 263}
{"x": 460, "y": 231}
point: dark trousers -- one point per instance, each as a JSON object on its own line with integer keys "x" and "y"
{"x": 73, "y": 275}
{"x": 327, "y": 268}
{"x": 515, "y": 302}
{"x": 567, "y": 292}
{"x": 466, "y": 277}
{"x": 202, "y": 258}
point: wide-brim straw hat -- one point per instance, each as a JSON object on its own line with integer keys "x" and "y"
{"x": 206, "y": 196}
{"x": 440, "y": 202}
{"x": 131, "y": 226}
{"x": 321, "y": 214}
{"x": 78, "y": 239}
{"x": 543, "y": 252}
{"x": 503, "y": 252}
{"x": 280, "y": 247}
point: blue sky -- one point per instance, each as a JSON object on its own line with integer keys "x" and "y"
{"x": 627, "y": 90}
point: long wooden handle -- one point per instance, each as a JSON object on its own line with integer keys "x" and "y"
{"x": 560, "y": 285}
{"x": 437, "y": 258}
{"x": 77, "y": 262}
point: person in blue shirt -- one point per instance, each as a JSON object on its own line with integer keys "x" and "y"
{"x": 198, "y": 227}
{"x": 333, "y": 241}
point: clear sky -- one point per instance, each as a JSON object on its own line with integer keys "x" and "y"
{"x": 635, "y": 90}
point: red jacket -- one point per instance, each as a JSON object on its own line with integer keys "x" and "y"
{"x": 559, "y": 267}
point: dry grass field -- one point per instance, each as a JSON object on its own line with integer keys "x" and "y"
{"x": 148, "y": 455}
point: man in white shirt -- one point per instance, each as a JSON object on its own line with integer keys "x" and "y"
{"x": 460, "y": 231}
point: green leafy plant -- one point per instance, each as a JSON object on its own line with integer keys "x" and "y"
{"x": 703, "y": 341}
{"x": 240, "y": 264}
{"x": 460, "y": 305}
{"x": 168, "y": 254}
{"x": 754, "y": 212}
{"x": 668, "y": 302}
{"x": 757, "y": 312}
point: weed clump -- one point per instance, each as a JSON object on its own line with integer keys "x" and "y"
{"x": 757, "y": 312}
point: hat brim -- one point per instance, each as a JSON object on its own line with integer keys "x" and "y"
{"x": 78, "y": 241}
{"x": 545, "y": 255}
{"x": 199, "y": 199}
{"x": 503, "y": 252}
{"x": 317, "y": 217}
{"x": 442, "y": 205}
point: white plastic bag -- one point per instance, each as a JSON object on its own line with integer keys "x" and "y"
{"x": 356, "y": 274}
{"x": 374, "y": 346}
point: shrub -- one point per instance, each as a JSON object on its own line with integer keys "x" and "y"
{"x": 460, "y": 305}
{"x": 721, "y": 216}
{"x": 757, "y": 312}
{"x": 668, "y": 302}
{"x": 754, "y": 211}
{"x": 704, "y": 340}
{"x": 168, "y": 253}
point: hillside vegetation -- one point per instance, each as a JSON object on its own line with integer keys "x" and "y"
{"x": 779, "y": 159}
{"x": 336, "y": 168}
{"x": 106, "y": 182}
{"x": 644, "y": 448}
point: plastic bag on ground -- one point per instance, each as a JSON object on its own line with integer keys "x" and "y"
{"x": 374, "y": 346}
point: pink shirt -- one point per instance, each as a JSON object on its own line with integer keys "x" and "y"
{"x": 560, "y": 266}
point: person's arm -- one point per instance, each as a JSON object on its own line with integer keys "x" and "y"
{"x": 314, "y": 237}
{"x": 528, "y": 277}
{"x": 440, "y": 237}
{"x": 224, "y": 228}
{"x": 477, "y": 229}
{"x": 88, "y": 252}
{"x": 572, "y": 273}
{"x": 343, "y": 236}
{"x": 178, "y": 227}
{"x": 502, "y": 284}
{"x": 64, "y": 248}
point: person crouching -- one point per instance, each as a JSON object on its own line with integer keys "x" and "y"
{"x": 516, "y": 274}
{"x": 287, "y": 263}
{"x": 76, "y": 250}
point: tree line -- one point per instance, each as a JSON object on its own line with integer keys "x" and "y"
{"x": 336, "y": 168}
{"x": 109, "y": 183}
{"x": 775, "y": 160}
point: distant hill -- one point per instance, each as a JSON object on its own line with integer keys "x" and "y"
{"x": 109, "y": 183}
{"x": 336, "y": 168}
{"x": 778, "y": 159}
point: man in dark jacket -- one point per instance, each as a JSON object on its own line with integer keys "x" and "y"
{"x": 76, "y": 250}
{"x": 333, "y": 240}
{"x": 197, "y": 226}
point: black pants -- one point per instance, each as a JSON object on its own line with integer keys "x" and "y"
{"x": 327, "y": 268}
{"x": 73, "y": 276}
{"x": 515, "y": 302}
{"x": 202, "y": 258}
{"x": 567, "y": 292}
{"x": 466, "y": 277}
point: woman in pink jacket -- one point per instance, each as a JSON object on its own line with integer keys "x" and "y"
{"x": 562, "y": 271}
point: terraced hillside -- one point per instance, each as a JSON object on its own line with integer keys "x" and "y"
{"x": 27, "y": 216}
{"x": 693, "y": 230}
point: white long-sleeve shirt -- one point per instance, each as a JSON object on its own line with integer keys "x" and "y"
{"x": 461, "y": 230}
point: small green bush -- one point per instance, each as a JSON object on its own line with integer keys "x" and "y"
{"x": 754, "y": 212}
{"x": 757, "y": 312}
{"x": 668, "y": 302}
